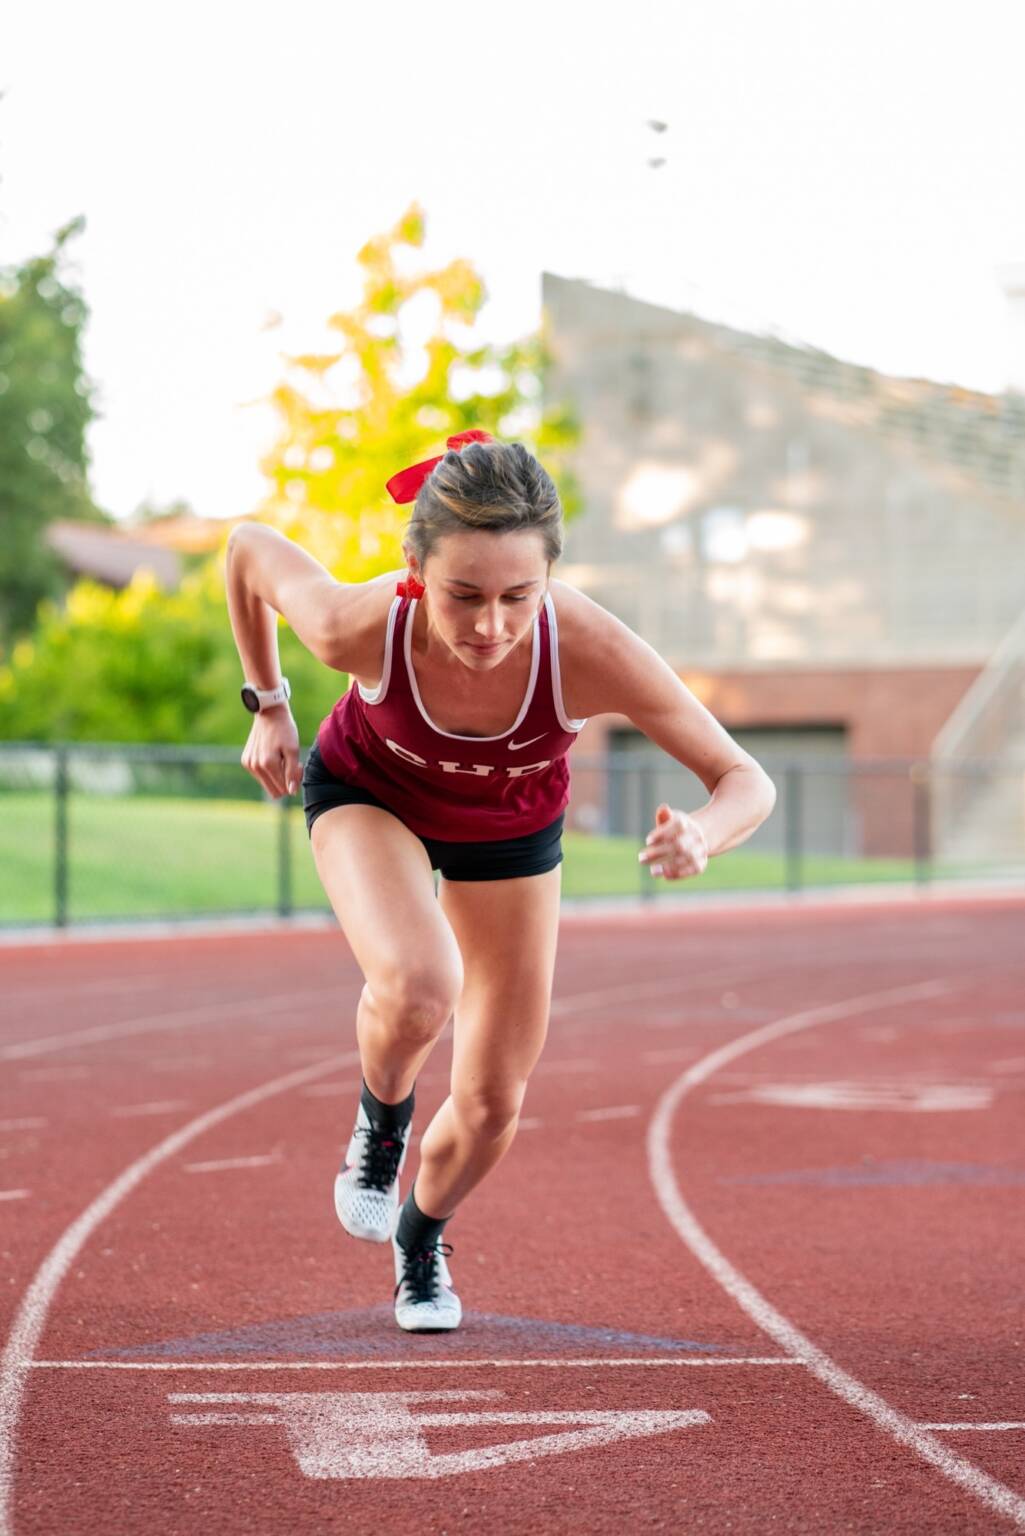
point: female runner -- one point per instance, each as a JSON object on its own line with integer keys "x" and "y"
{"x": 418, "y": 768}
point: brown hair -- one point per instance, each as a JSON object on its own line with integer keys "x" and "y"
{"x": 496, "y": 486}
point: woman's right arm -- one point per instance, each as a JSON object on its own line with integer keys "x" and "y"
{"x": 266, "y": 574}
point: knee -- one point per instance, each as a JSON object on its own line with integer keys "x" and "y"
{"x": 488, "y": 1111}
{"x": 417, "y": 1001}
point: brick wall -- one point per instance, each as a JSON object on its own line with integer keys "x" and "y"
{"x": 887, "y": 713}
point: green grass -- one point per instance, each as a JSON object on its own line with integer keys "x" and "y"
{"x": 150, "y": 856}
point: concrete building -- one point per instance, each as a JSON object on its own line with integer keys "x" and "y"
{"x": 827, "y": 556}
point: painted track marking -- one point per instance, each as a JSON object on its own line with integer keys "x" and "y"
{"x": 375, "y": 1434}
{"x": 217, "y": 1013}
{"x": 55, "y": 1074}
{"x": 1005, "y": 1424}
{"x": 14, "y": 1194}
{"x": 986, "y": 1489}
{"x": 154, "y": 1107}
{"x": 17, "y": 1361}
{"x": 27, "y": 1328}
{"x": 220, "y": 1164}
{"x": 30, "y": 1318}
{"x": 404, "y": 1365}
{"x": 613, "y": 1112}
{"x": 901, "y": 1097}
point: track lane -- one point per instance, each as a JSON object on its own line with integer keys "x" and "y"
{"x": 559, "y": 1252}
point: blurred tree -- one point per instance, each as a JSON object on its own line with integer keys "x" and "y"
{"x": 45, "y": 408}
{"x": 145, "y": 665}
{"x": 329, "y": 467}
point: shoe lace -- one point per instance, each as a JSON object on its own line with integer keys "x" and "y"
{"x": 420, "y": 1271}
{"x": 382, "y": 1153}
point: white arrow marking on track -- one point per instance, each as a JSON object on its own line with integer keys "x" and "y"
{"x": 374, "y": 1434}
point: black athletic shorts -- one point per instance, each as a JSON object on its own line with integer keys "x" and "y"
{"x": 502, "y": 858}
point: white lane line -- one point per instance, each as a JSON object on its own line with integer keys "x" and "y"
{"x": 262, "y": 1160}
{"x": 676, "y": 1053}
{"x": 404, "y": 1365}
{"x": 613, "y": 1112}
{"x": 38, "y": 994}
{"x": 179, "y": 1063}
{"x": 986, "y": 1489}
{"x": 680, "y": 988}
{"x": 635, "y": 991}
{"x": 154, "y": 1107}
{"x": 14, "y": 1194}
{"x": 31, "y": 1315}
{"x": 53, "y": 1074}
{"x": 216, "y": 1013}
{"x": 529, "y": 1123}
{"x": 26, "y": 1123}
{"x": 1004, "y": 1424}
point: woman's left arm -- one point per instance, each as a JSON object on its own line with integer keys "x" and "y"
{"x": 627, "y": 676}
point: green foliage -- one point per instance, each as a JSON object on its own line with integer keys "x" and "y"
{"x": 143, "y": 665}
{"x": 45, "y": 408}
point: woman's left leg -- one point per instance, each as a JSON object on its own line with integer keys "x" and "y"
{"x": 507, "y": 932}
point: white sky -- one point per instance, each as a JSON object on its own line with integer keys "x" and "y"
{"x": 848, "y": 172}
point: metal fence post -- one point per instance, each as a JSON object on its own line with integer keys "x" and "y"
{"x": 60, "y": 861}
{"x": 284, "y": 859}
{"x": 792, "y": 827}
{"x": 920, "y": 814}
{"x": 644, "y": 813}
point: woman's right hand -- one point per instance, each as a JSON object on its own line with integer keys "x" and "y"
{"x": 272, "y": 751}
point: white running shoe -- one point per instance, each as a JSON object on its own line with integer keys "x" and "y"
{"x": 424, "y": 1299}
{"x": 367, "y": 1185}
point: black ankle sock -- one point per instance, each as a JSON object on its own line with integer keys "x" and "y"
{"x": 415, "y": 1230}
{"x": 388, "y": 1117}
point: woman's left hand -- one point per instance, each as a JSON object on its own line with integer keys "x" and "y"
{"x": 676, "y": 847}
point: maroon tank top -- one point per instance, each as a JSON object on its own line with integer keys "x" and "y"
{"x": 457, "y": 788}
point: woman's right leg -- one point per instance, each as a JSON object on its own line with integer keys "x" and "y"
{"x": 379, "y": 881}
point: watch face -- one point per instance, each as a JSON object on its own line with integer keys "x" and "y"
{"x": 250, "y": 700}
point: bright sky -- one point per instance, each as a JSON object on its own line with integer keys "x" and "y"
{"x": 846, "y": 172}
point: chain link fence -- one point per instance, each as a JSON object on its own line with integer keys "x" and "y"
{"x": 95, "y": 833}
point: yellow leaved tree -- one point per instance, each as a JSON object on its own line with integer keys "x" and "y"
{"x": 162, "y": 666}
{"x": 351, "y": 417}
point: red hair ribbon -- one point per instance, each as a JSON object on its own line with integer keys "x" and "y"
{"x": 404, "y": 486}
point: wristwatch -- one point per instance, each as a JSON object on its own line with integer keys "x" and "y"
{"x": 256, "y": 699}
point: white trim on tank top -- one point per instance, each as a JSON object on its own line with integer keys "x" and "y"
{"x": 376, "y": 695}
{"x": 560, "y": 708}
{"x": 535, "y": 661}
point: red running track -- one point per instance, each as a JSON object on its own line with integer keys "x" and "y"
{"x": 759, "y": 1235}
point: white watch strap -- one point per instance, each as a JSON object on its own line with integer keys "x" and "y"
{"x": 268, "y": 697}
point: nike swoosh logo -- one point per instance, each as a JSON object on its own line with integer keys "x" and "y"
{"x": 514, "y": 746}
